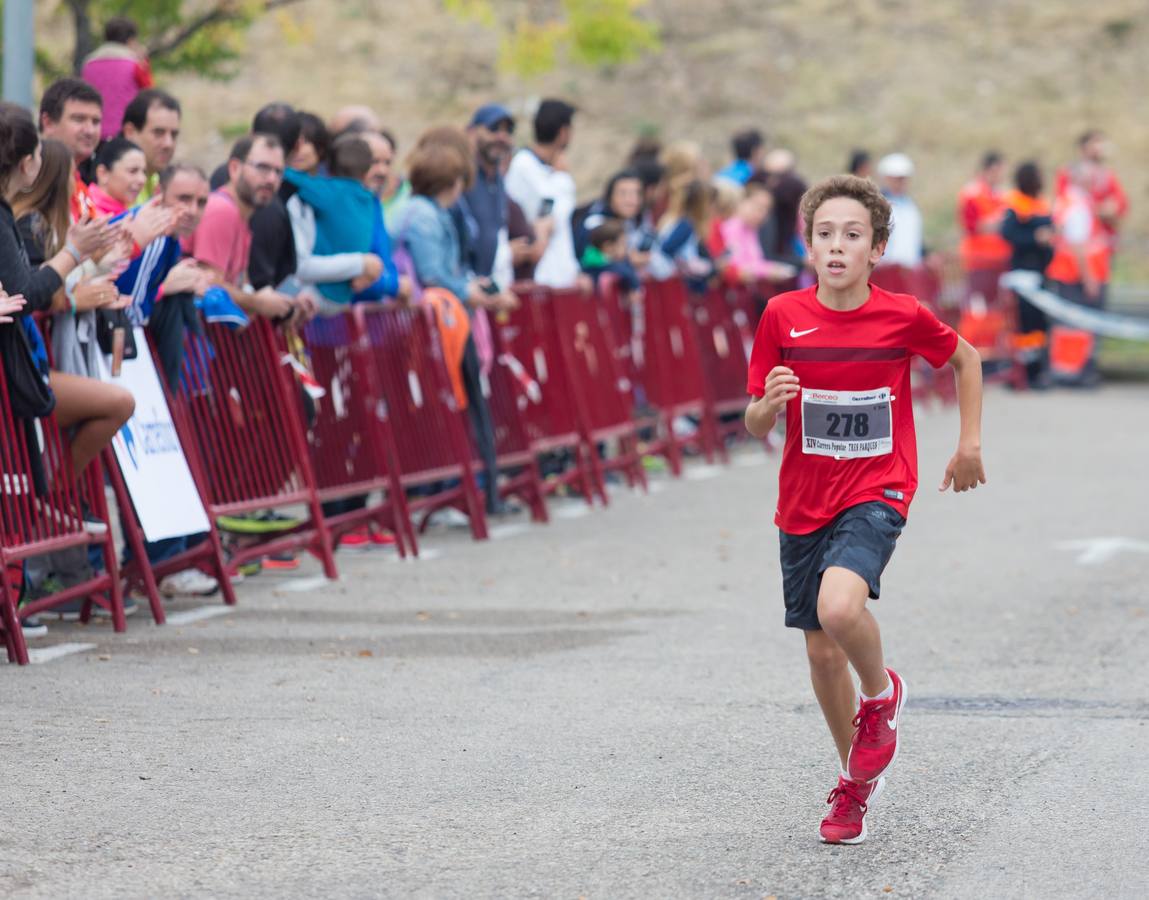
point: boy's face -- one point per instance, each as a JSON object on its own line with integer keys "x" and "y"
{"x": 615, "y": 249}
{"x": 841, "y": 244}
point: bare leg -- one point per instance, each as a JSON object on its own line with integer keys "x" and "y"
{"x": 834, "y": 688}
{"x": 844, "y": 617}
{"x": 96, "y": 411}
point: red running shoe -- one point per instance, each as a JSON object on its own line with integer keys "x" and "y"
{"x": 364, "y": 538}
{"x": 285, "y": 561}
{"x": 849, "y": 803}
{"x": 355, "y": 540}
{"x": 875, "y": 744}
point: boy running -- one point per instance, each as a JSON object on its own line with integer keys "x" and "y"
{"x": 836, "y": 357}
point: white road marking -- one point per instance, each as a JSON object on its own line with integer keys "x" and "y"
{"x": 702, "y": 473}
{"x": 199, "y": 613}
{"x": 750, "y": 460}
{"x": 1094, "y": 551}
{"x": 47, "y": 654}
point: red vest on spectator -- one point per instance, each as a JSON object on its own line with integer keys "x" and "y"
{"x": 1104, "y": 187}
{"x": 978, "y": 203}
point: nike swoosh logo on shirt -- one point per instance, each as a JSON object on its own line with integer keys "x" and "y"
{"x": 795, "y": 334}
{"x": 893, "y": 723}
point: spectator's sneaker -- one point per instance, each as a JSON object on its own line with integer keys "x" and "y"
{"x": 651, "y": 463}
{"x": 451, "y": 518}
{"x": 285, "y": 561}
{"x": 189, "y": 583}
{"x": 67, "y": 612}
{"x": 875, "y": 742}
{"x": 359, "y": 539}
{"x": 266, "y": 522}
{"x": 58, "y": 518}
{"x": 33, "y": 627}
{"x": 250, "y": 568}
{"x": 94, "y": 525}
{"x": 382, "y": 538}
{"x": 845, "y": 823}
{"x": 130, "y": 609}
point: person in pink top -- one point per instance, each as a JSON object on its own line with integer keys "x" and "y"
{"x": 746, "y": 262}
{"x": 118, "y": 69}
{"x": 222, "y": 241}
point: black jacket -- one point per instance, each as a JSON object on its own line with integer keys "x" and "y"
{"x": 1021, "y": 235}
{"x": 16, "y": 273}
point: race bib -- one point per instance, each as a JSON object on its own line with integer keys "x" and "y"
{"x": 847, "y": 424}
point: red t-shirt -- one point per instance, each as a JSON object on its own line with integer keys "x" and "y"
{"x": 850, "y": 431}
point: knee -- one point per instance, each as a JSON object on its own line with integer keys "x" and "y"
{"x": 826, "y": 658}
{"x": 837, "y": 611}
{"x": 120, "y": 404}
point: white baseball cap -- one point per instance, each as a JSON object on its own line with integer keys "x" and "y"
{"x": 896, "y": 165}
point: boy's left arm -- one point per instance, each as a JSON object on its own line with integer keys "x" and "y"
{"x": 965, "y": 470}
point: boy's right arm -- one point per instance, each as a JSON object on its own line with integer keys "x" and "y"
{"x": 780, "y": 387}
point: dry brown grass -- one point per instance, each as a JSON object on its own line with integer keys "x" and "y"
{"x": 942, "y": 80}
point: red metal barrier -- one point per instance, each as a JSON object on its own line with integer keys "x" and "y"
{"x": 517, "y": 456}
{"x": 673, "y": 375}
{"x": 528, "y": 345}
{"x": 352, "y": 447}
{"x": 603, "y": 396}
{"x": 431, "y": 434}
{"x": 34, "y": 522}
{"x": 722, "y": 324}
{"x": 239, "y": 420}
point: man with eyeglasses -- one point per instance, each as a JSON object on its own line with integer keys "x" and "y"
{"x": 222, "y": 242}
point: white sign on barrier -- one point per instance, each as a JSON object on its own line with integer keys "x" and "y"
{"x": 150, "y": 456}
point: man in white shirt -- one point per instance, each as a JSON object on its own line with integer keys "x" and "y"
{"x": 904, "y": 247}
{"x": 538, "y": 182}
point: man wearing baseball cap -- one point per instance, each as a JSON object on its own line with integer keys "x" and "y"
{"x": 484, "y": 206}
{"x": 904, "y": 247}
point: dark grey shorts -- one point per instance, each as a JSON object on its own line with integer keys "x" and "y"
{"x": 860, "y": 539}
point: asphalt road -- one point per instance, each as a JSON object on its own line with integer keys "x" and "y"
{"x": 610, "y": 707}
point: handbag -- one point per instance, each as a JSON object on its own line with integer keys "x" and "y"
{"x": 28, "y": 391}
{"x": 107, "y": 321}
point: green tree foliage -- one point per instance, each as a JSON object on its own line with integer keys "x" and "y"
{"x": 204, "y": 36}
{"x": 595, "y": 33}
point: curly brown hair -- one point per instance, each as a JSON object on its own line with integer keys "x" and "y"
{"x": 861, "y": 189}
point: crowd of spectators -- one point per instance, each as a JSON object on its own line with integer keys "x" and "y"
{"x": 103, "y": 226}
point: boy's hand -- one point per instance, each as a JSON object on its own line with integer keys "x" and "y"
{"x": 781, "y": 388}
{"x": 965, "y": 471}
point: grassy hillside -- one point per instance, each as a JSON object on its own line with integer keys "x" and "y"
{"x": 942, "y": 81}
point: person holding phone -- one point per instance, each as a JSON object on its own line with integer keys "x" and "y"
{"x": 538, "y": 182}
